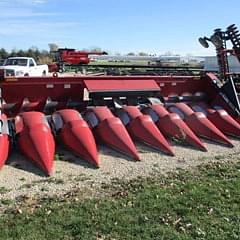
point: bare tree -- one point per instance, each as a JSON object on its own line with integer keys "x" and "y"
{"x": 95, "y": 49}
{"x": 53, "y": 47}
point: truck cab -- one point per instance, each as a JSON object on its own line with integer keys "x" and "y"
{"x": 23, "y": 66}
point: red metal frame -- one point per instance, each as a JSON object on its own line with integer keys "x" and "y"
{"x": 61, "y": 88}
{"x": 38, "y": 90}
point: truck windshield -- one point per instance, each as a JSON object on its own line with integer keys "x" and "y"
{"x": 16, "y": 61}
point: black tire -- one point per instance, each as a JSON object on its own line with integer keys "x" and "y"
{"x": 55, "y": 74}
{"x": 61, "y": 70}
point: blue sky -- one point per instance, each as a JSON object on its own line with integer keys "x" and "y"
{"x": 152, "y": 26}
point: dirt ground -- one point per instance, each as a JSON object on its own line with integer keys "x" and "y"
{"x": 21, "y": 178}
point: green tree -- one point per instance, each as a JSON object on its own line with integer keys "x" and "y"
{"x": 3, "y": 53}
{"x": 142, "y": 54}
{"x": 131, "y": 54}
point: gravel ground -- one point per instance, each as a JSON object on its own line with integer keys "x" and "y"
{"x": 20, "y": 178}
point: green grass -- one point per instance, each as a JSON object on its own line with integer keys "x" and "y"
{"x": 4, "y": 190}
{"x": 48, "y": 180}
{"x": 204, "y": 204}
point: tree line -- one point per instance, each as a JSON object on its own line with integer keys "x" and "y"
{"x": 41, "y": 56}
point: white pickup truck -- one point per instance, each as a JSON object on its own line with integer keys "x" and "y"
{"x": 23, "y": 66}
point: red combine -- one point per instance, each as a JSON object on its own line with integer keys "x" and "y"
{"x": 70, "y": 57}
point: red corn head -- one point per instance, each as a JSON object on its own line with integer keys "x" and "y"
{"x": 142, "y": 128}
{"x": 199, "y": 124}
{"x": 111, "y": 131}
{"x": 220, "y": 118}
{"x": 35, "y": 139}
{"x": 4, "y": 140}
{"x": 171, "y": 125}
{"x": 76, "y": 134}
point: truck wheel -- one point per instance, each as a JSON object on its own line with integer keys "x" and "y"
{"x": 55, "y": 74}
{"x": 26, "y": 75}
{"x": 44, "y": 73}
